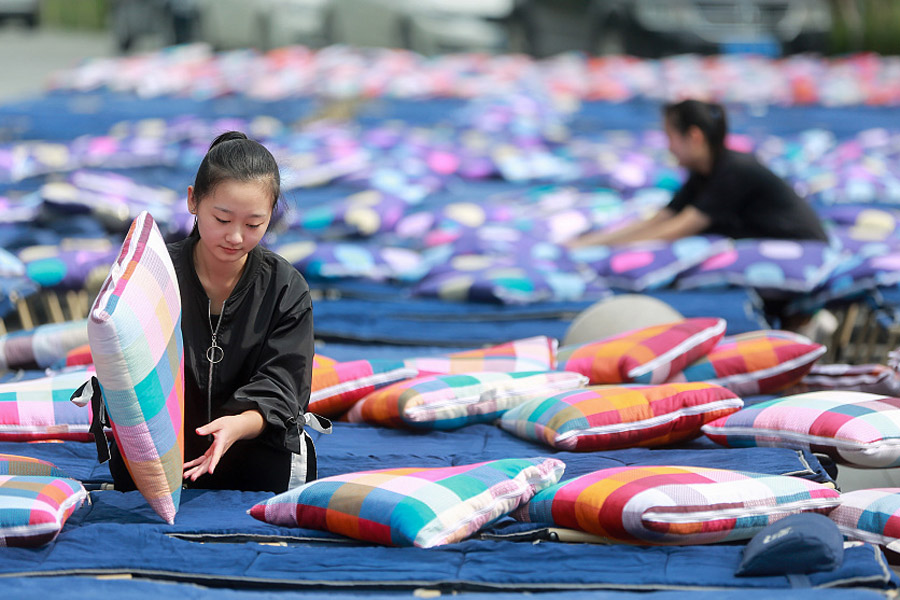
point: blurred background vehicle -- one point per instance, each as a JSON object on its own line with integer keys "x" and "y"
{"x": 425, "y": 26}
{"x": 263, "y": 24}
{"x": 652, "y": 28}
{"x": 648, "y": 28}
{"x": 27, "y": 11}
{"x": 170, "y": 21}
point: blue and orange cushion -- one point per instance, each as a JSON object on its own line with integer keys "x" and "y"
{"x": 675, "y": 505}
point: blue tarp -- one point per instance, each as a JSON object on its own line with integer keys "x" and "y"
{"x": 359, "y": 447}
{"x": 82, "y": 587}
{"x": 118, "y": 535}
{"x": 367, "y": 313}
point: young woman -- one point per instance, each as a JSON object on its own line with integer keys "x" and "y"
{"x": 248, "y": 332}
{"x": 727, "y": 192}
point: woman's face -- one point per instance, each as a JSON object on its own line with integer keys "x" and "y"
{"x": 232, "y": 219}
{"x": 689, "y": 148}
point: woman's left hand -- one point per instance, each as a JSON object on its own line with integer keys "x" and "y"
{"x": 225, "y": 431}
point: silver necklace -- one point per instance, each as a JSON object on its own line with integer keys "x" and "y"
{"x": 214, "y": 353}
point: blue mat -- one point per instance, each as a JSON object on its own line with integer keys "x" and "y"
{"x": 67, "y": 115}
{"x": 118, "y": 534}
{"x": 371, "y": 312}
{"x": 359, "y": 447}
{"x": 64, "y": 588}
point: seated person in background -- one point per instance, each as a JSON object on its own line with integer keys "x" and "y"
{"x": 727, "y": 192}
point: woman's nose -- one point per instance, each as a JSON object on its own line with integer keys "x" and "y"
{"x": 233, "y": 236}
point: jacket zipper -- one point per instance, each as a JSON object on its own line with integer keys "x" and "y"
{"x": 214, "y": 354}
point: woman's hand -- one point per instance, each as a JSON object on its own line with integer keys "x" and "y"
{"x": 225, "y": 431}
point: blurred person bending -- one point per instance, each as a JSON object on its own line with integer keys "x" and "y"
{"x": 727, "y": 192}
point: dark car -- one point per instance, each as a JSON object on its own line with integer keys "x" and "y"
{"x": 653, "y": 28}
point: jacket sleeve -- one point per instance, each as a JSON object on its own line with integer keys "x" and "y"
{"x": 280, "y": 386}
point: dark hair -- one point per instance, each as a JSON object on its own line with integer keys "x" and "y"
{"x": 708, "y": 117}
{"x": 232, "y": 155}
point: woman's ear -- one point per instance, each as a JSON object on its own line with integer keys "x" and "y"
{"x": 191, "y": 201}
{"x": 695, "y": 134}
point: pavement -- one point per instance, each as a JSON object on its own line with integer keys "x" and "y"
{"x": 29, "y": 57}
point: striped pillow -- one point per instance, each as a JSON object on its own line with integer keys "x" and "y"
{"x": 135, "y": 335}
{"x": 337, "y": 386}
{"x": 11, "y": 464}
{"x": 452, "y": 401}
{"x": 650, "y": 355}
{"x": 530, "y": 354}
{"x": 608, "y": 418}
{"x": 870, "y": 515}
{"x": 853, "y": 428}
{"x": 670, "y": 505}
{"x": 757, "y": 362}
{"x": 421, "y": 507}
{"x": 34, "y": 509}
{"x": 39, "y": 409}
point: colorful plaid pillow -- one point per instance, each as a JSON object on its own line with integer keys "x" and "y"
{"x": 853, "y": 428}
{"x": 10, "y": 464}
{"x": 39, "y": 409}
{"x": 135, "y": 335}
{"x": 42, "y": 347}
{"x": 530, "y": 354}
{"x": 452, "y": 401}
{"x": 756, "y": 362}
{"x": 336, "y": 387}
{"x": 322, "y": 361}
{"x": 669, "y": 505}
{"x": 412, "y": 506}
{"x": 608, "y": 418}
{"x": 870, "y": 515}
{"x": 648, "y": 355}
{"x": 34, "y": 509}
{"x": 872, "y": 378}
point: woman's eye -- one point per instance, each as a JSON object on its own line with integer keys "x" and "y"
{"x": 221, "y": 221}
{"x": 255, "y": 226}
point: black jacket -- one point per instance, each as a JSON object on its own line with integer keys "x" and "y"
{"x": 266, "y": 334}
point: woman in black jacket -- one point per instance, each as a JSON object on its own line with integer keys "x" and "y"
{"x": 727, "y": 192}
{"x": 248, "y": 332}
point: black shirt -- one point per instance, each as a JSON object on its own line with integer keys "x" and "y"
{"x": 744, "y": 199}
